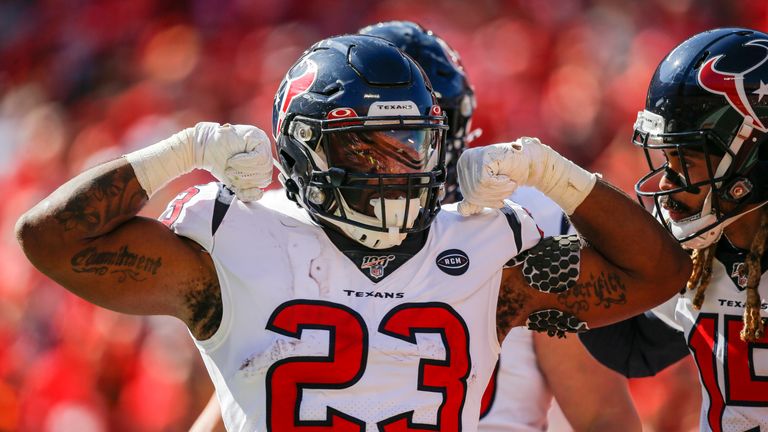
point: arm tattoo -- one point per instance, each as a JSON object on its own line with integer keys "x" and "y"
{"x": 123, "y": 262}
{"x": 510, "y": 306}
{"x": 605, "y": 290}
{"x": 112, "y": 196}
{"x": 203, "y": 300}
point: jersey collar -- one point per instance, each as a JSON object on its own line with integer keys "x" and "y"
{"x": 376, "y": 264}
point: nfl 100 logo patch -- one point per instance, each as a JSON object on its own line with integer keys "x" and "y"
{"x": 376, "y": 264}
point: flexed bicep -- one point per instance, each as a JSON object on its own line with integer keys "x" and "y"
{"x": 86, "y": 236}
{"x": 564, "y": 285}
{"x": 141, "y": 268}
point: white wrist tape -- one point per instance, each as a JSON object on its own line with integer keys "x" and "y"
{"x": 162, "y": 162}
{"x": 563, "y": 181}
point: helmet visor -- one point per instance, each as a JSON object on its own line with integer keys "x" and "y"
{"x": 386, "y": 163}
{"x": 397, "y": 151}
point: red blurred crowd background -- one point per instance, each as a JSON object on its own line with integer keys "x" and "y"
{"x": 83, "y": 81}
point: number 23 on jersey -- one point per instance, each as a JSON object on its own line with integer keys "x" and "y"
{"x": 347, "y": 359}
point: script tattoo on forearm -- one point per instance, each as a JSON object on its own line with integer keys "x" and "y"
{"x": 124, "y": 263}
{"x": 605, "y": 290}
{"x": 204, "y": 301}
{"x": 108, "y": 197}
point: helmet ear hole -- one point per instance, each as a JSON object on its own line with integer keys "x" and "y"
{"x": 288, "y": 163}
{"x": 287, "y": 160}
{"x": 762, "y": 149}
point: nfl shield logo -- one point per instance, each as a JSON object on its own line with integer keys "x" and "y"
{"x": 376, "y": 264}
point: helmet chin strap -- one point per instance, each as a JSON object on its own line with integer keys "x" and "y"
{"x": 683, "y": 229}
{"x": 395, "y": 215}
{"x": 712, "y": 235}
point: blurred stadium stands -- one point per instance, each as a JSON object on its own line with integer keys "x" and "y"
{"x": 83, "y": 81}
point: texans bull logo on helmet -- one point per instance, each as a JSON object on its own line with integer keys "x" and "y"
{"x": 731, "y": 84}
{"x": 294, "y": 88}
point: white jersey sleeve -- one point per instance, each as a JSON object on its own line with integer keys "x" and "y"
{"x": 547, "y": 214}
{"x": 191, "y": 213}
{"x": 277, "y": 200}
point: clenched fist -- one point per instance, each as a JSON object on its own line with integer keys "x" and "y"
{"x": 240, "y": 156}
{"x": 488, "y": 175}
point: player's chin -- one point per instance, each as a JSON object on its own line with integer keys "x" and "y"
{"x": 677, "y": 216}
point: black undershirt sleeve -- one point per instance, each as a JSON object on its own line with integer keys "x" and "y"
{"x": 638, "y": 347}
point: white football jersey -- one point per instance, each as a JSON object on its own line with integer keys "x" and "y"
{"x": 733, "y": 374}
{"x": 309, "y": 339}
{"x": 518, "y": 398}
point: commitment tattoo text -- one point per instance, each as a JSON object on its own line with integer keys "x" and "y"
{"x": 123, "y": 262}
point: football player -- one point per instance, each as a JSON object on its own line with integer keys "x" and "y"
{"x": 530, "y": 371}
{"x": 372, "y": 309}
{"x": 703, "y": 131}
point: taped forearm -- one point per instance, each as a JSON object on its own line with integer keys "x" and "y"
{"x": 488, "y": 175}
{"x": 162, "y": 162}
{"x": 563, "y": 181}
{"x": 237, "y": 155}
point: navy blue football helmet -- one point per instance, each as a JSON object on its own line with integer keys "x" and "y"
{"x": 360, "y": 139}
{"x": 444, "y": 70}
{"x": 709, "y": 95}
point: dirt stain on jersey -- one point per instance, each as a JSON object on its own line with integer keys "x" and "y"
{"x": 311, "y": 344}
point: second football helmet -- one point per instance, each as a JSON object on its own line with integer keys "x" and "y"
{"x": 709, "y": 95}
{"x": 360, "y": 139}
{"x": 444, "y": 70}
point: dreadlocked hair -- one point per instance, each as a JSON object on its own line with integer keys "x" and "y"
{"x": 701, "y": 274}
{"x": 753, "y": 328}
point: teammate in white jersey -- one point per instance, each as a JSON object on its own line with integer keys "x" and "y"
{"x": 371, "y": 309}
{"x": 704, "y": 133}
